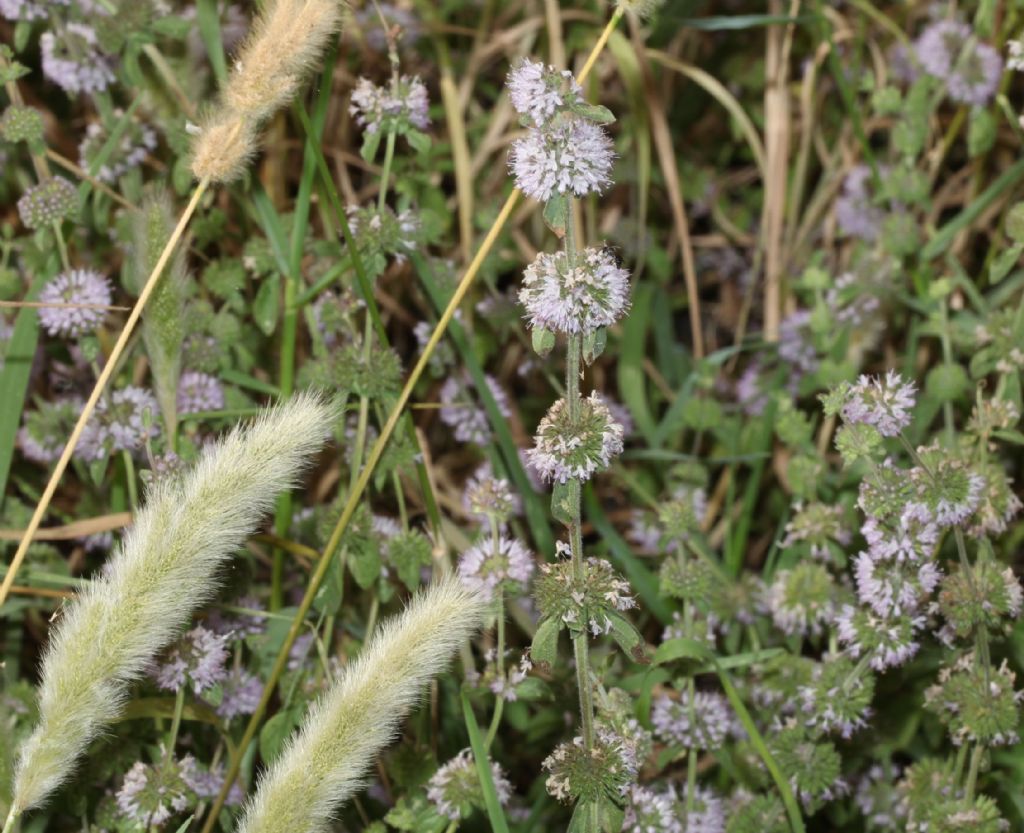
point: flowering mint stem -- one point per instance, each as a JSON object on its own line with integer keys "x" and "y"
{"x": 499, "y": 703}
{"x": 972, "y": 771}
{"x": 172, "y": 738}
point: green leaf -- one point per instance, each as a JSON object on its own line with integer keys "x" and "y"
{"x": 594, "y": 112}
{"x": 1000, "y": 267}
{"x": 483, "y": 769}
{"x": 1010, "y": 435}
{"x": 543, "y": 341}
{"x": 628, "y": 637}
{"x": 185, "y": 824}
{"x": 371, "y": 142}
{"x": 544, "y": 649}
{"x": 419, "y": 142}
{"x": 208, "y": 19}
{"x": 583, "y": 817}
{"x": 275, "y": 732}
{"x": 594, "y": 344}
{"x": 365, "y": 565}
{"x": 680, "y": 648}
{"x": 556, "y": 213}
{"x": 266, "y": 306}
{"x": 564, "y": 501}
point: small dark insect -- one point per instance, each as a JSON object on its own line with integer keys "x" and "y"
{"x": 613, "y": 252}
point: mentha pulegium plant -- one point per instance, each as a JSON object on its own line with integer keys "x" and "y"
{"x": 165, "y": 569}
{"x": 574, "y": 294}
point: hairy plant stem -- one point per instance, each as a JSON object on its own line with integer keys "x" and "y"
{"x": 352, "y": 502}
{"x": 172, "y": 737}
{"x": 12, "y": 817}
{"x": 499, "y": 658}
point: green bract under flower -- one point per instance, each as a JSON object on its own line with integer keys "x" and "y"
{"x": 985, "y": 598}
{"x": 605, "y": 771}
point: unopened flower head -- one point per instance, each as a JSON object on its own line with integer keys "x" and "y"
{"x": 888, "y": 642}
{"x": 121, "y": 422}
{"x": 199, "y": 392}
{"x": 702, "y": 721}
{"x": 989, "y": 597}
{"x": 51, "y": 201}
{"x": 946, "y": 492}
{"x": 584, "y": 603}
{"x": 977, "y": 704}
{"x": 904, "y": 538}
{"x": 821, "y": 528}
{"x": 401, "y": 105}
{"x": 606, "y": 771}
{"x": 455, "y": 788}
{"x": 593, "y": 293}
{"x": 568, "y": 446}
{"x": 836, "y": 699}
{"x": 89, "y": 292}
{"x": 380, "y": 233}
{"x": 878, "y": 798}
{"x": 885, "y": 403}
{"x": 802, "y": 600}
{"x": 538, "y": 92}
{"x": 72, "y": 60}
{"x": 21, "y": 123}
{"x": 813, "y": 768}
{"x": 572, "y": 156}
{"x": 651, "y": 812}
{"x": 198, "y": 660}
{"x": 496, "y": 564}
{"x": 44, "y": 431}
{"x": 488, "y": 497}
{"x": 950, "y": 51}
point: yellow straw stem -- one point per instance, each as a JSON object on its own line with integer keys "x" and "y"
{"x": 97, "y": 391}
{"x": 356, "y": 492}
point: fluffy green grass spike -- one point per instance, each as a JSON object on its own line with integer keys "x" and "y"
{"x": 326, "y": 760}
{"x": 165, "y": 569}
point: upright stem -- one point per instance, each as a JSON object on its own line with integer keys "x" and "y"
{"x": 972, "y": 771}
{"x": 172, "y": 738}
{"x": 12, "y": 817}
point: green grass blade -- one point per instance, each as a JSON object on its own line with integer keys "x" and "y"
{"x": 483, "y": 769}
{"x": 209, "y": 30}
{"x": 21, "y": 348}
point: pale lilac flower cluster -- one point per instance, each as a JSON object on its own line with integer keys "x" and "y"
{"x": 486, "y": 496}
{"x": 856, "y": 214}
{"x": 702, "y": 721}
{"x": 198, "y": 659}
{"x": 504, "y": 683}
{"x": 491, "y": 565}
{"x": 138, "y": 141}
{"x": 460, "y": 412}
{"x": 89, "y": 291}
{"x": 73, "y": 60}
{"x": 569, "y": 157}
{"x": 567, "y": 447}
{"x": 609, "y": 767}
{"x": 950, "y": 51}
{"x": 455, "y": 786}
{"x": 121, "y": 422}
{"x": 153, "y": 794}
{"x": 888, "y": 642}
{"x": 199, "y": 392}
{"x": 44, "y": 431}
{"x": 593, "y": 293}
{"x": 15, "y": 10}
{"x": 885, "y": 403}
{"x": 539, "y": 92}
{"x": 383, "y": 231}
{"x": 651, "y": 812}
{"x": 240, "y": 694}
{"x": 398, "y": 106}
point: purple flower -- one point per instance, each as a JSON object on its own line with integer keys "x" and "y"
{"x": 574, "y": 156}
{"x": 885, "y": 403}
{"x": 73, "y": 61}
{"x": 121, "y": 422}
{"x": 460, "y": 411}
{"x": 855, "y": 213}
{"x": 567, "y": 447}
{"x": 591, "y": 295}
{"x": 137, "y": 142}
{"x": 894, "y": 588}
{"x": 88, "y": 290}
{"x": 197, "y": 659}
{"x": 44, "y": 432}
{"x": 949, "y": 51}
{"x": 198, "y": 392}
{"x": 492, "y": 564}
{"x": 702, "y": 721}
{"x": 539, "y": 92}
{"x": 402, "y": 104}
{"x": 888, "y": 642}
{"x": 241, "y": 694}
